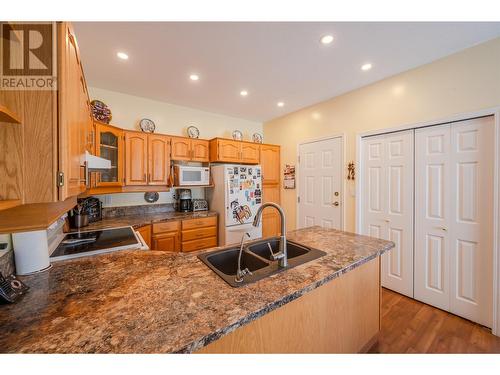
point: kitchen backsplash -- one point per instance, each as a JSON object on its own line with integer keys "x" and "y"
{"x": 137, "y": 199}
{"x": 109, "y": 212}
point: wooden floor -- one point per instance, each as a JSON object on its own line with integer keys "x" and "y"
{"x": 409, "y": 326}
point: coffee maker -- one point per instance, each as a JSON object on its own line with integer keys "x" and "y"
{"x": 184, "y": 202}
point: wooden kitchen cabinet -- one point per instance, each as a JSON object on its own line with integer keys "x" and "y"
{"x": 110, "y": 145}
{"x": 136, "y": 158}
{"x": 158, "y": 159}
{"x": 230, "y": 151}
{"x": 75, "y": 119}
{"x": 270, "y": 163}
{"x": 200, "y": 150}
{"x": 166, "y": 236}
{"x": 271, "y": 189}
{"x": 250, "y": 153}
{"x": 188, "y": 149}
{"x": 166, "y": 242}
{"x": 43, "y": 161}
{"x": 181, "y": 148}
{"x": 227, "y": 151}
{"x": 199, "y": 233}
{"x": 270, "y": 217}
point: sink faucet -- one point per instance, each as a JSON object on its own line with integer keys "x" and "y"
{"x": 281, "y": 255}
{"x": 240, "y": 274}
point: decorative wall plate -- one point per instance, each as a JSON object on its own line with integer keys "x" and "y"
{"x": 151, "y": 196}
{"x": 237, "y": 135}
{"x": 147, "y": 125}
{"x": 100, "y": 111}
{"x": 257, "y": 138}
{"x": 193, "y": 132}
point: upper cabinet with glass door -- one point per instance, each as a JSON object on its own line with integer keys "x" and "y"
{"x": 109, "y": 145}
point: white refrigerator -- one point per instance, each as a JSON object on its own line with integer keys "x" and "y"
{"x": 236, "y": 196}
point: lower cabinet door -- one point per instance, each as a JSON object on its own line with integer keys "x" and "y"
{"x": 194, "y": 245}
{"x": 270, "y": 224}
{"x": 166, "y": 242}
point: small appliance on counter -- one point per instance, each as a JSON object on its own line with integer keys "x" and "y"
{"x": 94, "y": 209}
{"x": 191, "y": 176}
{"x": 200, "y": 205}
{"x": 184, "y": 202}
{"x": 88, "y": 210}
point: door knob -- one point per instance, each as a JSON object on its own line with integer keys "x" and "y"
{"x": 335, "y": 203}
{"x": 336, "y": 193}
{"x": 442, "y": 228}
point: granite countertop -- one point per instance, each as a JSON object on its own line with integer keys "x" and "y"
{"x": 152, "y": 302}
{"x": 137, "y": 221}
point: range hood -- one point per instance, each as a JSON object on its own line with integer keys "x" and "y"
{"x": 96, "y": 164}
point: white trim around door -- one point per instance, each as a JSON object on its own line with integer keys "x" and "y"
{"x": 342, "y": 200}
{"x": 496, "y": 189}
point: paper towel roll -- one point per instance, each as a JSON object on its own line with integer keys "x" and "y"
{"x": 31, "y": 251}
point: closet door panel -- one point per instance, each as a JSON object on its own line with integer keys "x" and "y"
{"x": 432, "y": 215}
{"x": 388, "y": 204}
{"x": 374, "y": 177}
{"x": 397, "y": 265}
{"x": 471, "y": 224}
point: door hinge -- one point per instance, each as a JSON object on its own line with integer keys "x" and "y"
{"x": 298, "y": 199}
{"x": 60, "y": 178}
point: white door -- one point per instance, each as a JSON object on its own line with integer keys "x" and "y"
{"x": 433, "y": 186}
{"x": 454, "y": 211}
{"x": 320, "y": 183}
{"x": 387, "y": 199}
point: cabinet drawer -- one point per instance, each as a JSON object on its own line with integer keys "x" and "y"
{"x": 201, "y": 244}
{"x": 193, "y": 234}
{"x": 168, "y": 226}
{"x": 199, "y": 223}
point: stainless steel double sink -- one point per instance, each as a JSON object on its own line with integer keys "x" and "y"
{"x": 257, "y": 258}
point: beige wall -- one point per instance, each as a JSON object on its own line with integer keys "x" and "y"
{"x": 463, "y": 82}
{"x": 128, "y": 110}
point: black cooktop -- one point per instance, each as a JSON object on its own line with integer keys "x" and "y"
{"x": 84, "y": 242}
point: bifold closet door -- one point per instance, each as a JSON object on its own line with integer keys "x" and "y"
{"x": 453, "y": 217}
{"x": 388, "y": 204}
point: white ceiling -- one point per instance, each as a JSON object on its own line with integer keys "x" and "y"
{"x": 273, "y": 61}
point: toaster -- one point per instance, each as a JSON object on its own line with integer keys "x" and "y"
{"x": 200, "y": 205}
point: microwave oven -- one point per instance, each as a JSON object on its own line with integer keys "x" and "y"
{"x": 188, "y": 176}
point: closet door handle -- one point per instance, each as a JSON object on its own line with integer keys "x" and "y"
{"x": 444, "y": 229}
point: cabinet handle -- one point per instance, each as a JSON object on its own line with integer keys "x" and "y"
{"x": 335, "y": 204}
{"x": 145, "y": 178}
{"x": 86, "y": 174}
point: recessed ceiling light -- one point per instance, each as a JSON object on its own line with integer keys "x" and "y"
{"x": 280, "y": 104}
{"x": 194, "y": 77}
{"x": 243, "y": 92}
{"x": 326, "y": 39}
{"x": 122, "y": 55}
{"x": 366, "y": 66}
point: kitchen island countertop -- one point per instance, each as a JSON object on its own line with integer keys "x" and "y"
{"x": 153, "y": 302}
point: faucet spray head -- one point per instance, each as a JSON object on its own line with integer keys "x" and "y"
{"x": 256, "y": 220}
